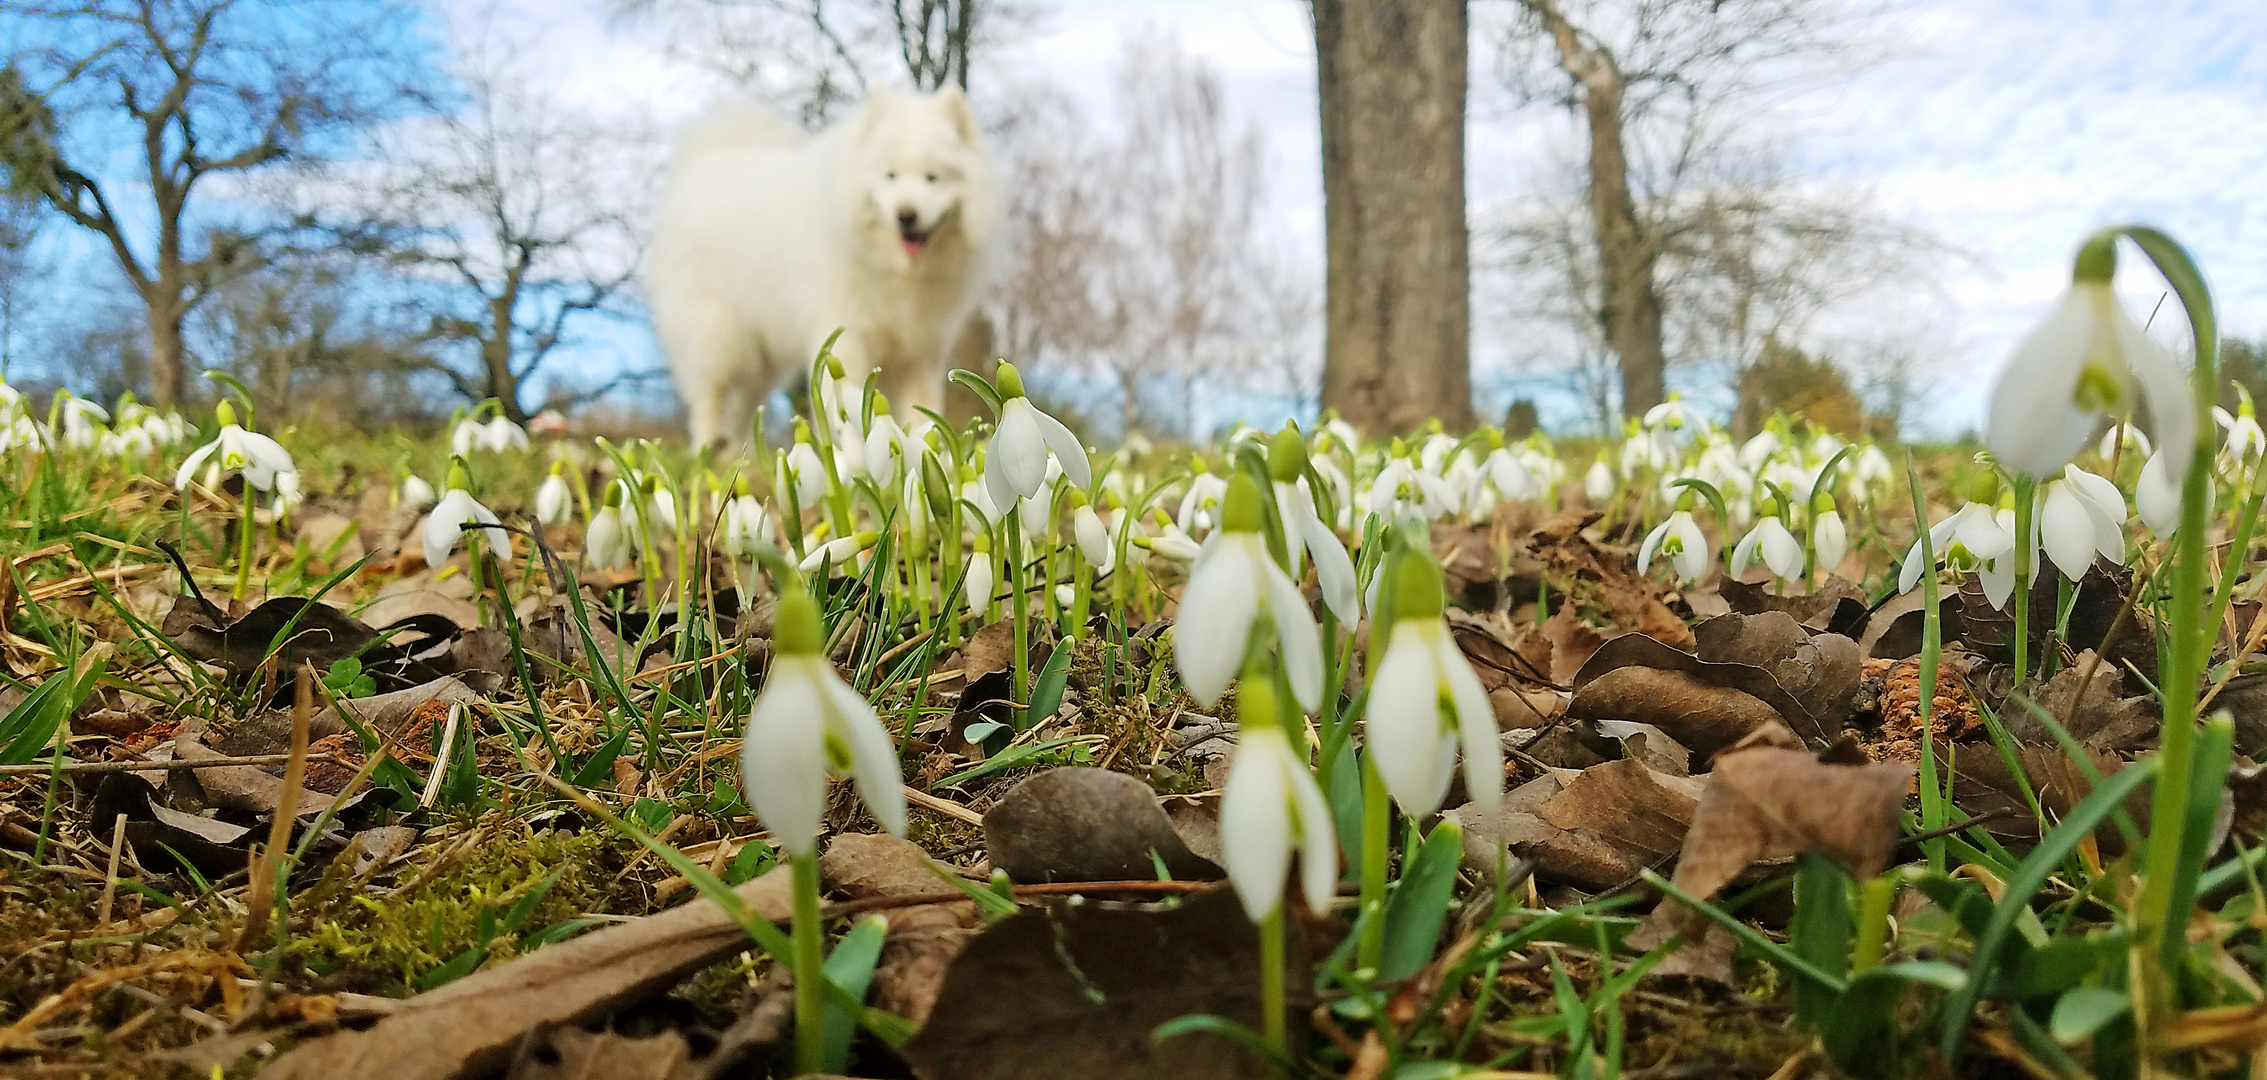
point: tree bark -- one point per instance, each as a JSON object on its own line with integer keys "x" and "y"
{"x": 1397, "y": 347}
{"x": 1630, "y": 310}
{"x": 166, "y": 314}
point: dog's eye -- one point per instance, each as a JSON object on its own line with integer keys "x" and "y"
{"x": 889, "y": 175}
{"x": 932, "y": 178}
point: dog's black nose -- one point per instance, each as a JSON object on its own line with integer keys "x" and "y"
{"x": 907, "y": 219}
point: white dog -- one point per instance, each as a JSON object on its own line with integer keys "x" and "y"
{"x": 769, "y": 239}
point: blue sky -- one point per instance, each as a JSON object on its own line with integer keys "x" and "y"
{"x": 2009, "y": 127}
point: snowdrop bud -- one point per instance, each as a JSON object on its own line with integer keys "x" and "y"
{"x": 554, "y": 499}
{"x": 806, "y": 722}
{"x": 1598, "y": 483}
{"x": 1287, "y": 455}
{"x": 609, "y": 542}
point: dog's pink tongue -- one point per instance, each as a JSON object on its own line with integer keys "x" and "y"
{"x": 912, "y": 247}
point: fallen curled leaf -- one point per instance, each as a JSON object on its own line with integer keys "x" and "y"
{"x": 1768, "y": 798}
{"x": 469, "y": 1027}
{"x": 1592, "y": 829}
{"x": 1818, "y": 669}
{"x": 2103, "y": 717}
{"x": 1085, "y": 824}
{"x": 570, "y": 1053}
{"x": 1075, "y": 990}
{"x": 1838, "y": 606}
{"x": 1572, "y": 644}
{"x": 922, "y": 940}
{"x": 319, "y": 633}
{"x": 1703, "y": 721}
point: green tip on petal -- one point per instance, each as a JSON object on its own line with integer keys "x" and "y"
{"x": 458, "y": 478}
{"x": 1287, "y": 454}
{"x": 802, "y": 430}
{"x": 795, "y": 624}
{"x": 1417, "y": 588}
{"x": 834, "y": 366}
{"x": 740, "y": 485}
{"x": 225, "y": 412}
{"x": 1240, "y": 511}
{"x": 613, "y": 496}
{"x": 1008, "y": 382}
{"x": 982, "y": 544}
{"x": 1255, "y": 700}
{"x": 2097, "y": 260}
{"x": 650, "y": 484}
{"x": 1822, "y": 503}
{"x": 881, "y": 403}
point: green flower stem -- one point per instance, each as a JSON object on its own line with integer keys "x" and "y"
{"x": 809, "y": 959}
{"x": 1271, "y": 983}
{"x": 2239, "y": 543}
{"x": 1932, "y": 650}
{"x": 244, "y": 545}
{"x": 2025, "y": 507}
{"x": 1082, "y": 584}
{"x": 1874, "y": 899}
{"x": 1019, "y": 613}
{"x": 2159, "y": 927}
{"x": 1377, "y": 817}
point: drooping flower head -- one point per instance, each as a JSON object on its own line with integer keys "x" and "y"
{"x": 456, "y": 514}
{"x": 1233, "y": 584}
{"x": 2087, "y": 358}
{"x": 1015, "y": 463}
{"x": 1270, "y": 809}
{"x": 237, "y": 450}
{"x": 1425, "y": 700}
{"x": 1303, "y": 530}
{"x": 807, "y": 723}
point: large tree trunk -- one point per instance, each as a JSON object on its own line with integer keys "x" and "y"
{"x": 1397, "y": 349}
{"x": 1631, "y": 307}
{"x": 165, "y": 318}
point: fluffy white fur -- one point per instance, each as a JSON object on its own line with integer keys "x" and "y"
{"x": 769, "y": 239}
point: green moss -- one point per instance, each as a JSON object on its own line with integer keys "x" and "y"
{"x": 386, "y": 943}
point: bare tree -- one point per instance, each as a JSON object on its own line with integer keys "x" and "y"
{"x": 195, "y": 91}
{"x": 513, "y": 220}
{"x": 811, "y": 58}
{"x": 1398, "y": 291}
{"x": 19, "y": 226}
{"x": 1659, "y": 85}
{"x": 306, "y": 334}
{"x": 1188, "y": 189}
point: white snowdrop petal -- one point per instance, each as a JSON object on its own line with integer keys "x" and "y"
{"x": 1255, "y": 834}
{"x": 783, "y": 756}
{"x": 1296, "y": 634}
{"x": 1215, "y": 620}
{"x": 873, "y": 758}
{"x": 1403, "y": 723}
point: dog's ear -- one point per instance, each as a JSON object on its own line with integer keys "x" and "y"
{"x": 955, "y": 105}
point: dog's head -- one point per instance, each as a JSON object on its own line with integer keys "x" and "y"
{"x": 922, "y": 163}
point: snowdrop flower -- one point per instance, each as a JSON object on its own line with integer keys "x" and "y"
{"x": 1871, "y": 468}
{"x": 1402, "y": 491}
{"x": 415, "y": 493}
{"x": 1303, "y": 530}
{"x": 840, "y": 552}
{"x": 2085, "y": 359}
{"x": 2081, "y": 516}
{"x": 1231, "y": 586}
{"x": 1829, "y": 541}
{"x": 2158, "y": 498}
{"x": 82, "y": 421}
{"x": 237, "y": 450}
{"x": 501, "y": 435}
{"x": 2131, "y": 437}
{"x": 1759, "y": 448}
{"x": 1271, "y": 808}
{"x": 2245, "y": 440}
{"x": 1015, "y": 462}
{"x": 804, "y": 469}
{"x": 1200, "y": 506}
{"x": 610, "y": 541}
{"x": 1972, "y": 536}
{"x": 1672, "y": 415}
{"x": 1598, "y": 483}
{"x": 1781, "y": 552}
{"x": 885, "y": 449}
{"x": 747, "y": 525}
{"x": 806, "y": 723}
{"x": 1679, "y": 539}
{"x": 1511, "y": 476}
{"x": 1092, "y": 536}
{"x": 554, "y": 499}
{"x": 1170, "y": 542}
{"x": 1425, "y": 700}
{"x": 288, "y": 495}
{"x": 1997, "y": 576}
{"x": 445, "y": 526}
{"x": 978, "y": 581}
